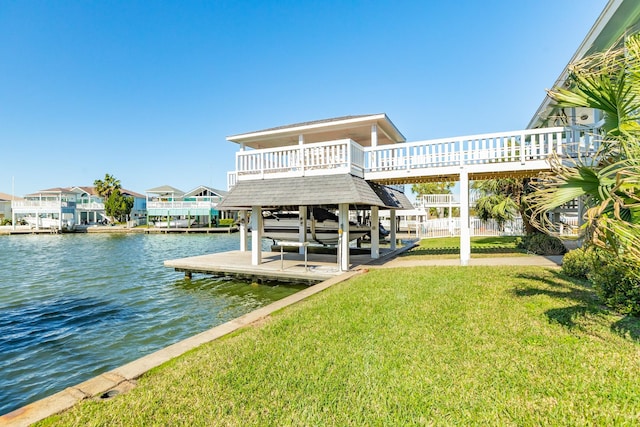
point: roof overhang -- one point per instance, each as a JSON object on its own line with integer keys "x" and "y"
{"x": 357, "y": 128}
{"x": 330, "y": 190}
{"x": 617, "y": 18}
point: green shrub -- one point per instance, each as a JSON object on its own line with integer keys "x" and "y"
{"x": 226, "y": 222}
{"x": 542, "y": 244}
{"x": 5, "y": 221}
{"x": 578, "y": 263}
{"x": 617, "y": 283}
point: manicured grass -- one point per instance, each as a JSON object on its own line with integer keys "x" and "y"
{"x": 449, "y": 247}
{"x": 412, "y": 346}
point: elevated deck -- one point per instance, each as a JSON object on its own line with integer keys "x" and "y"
{"x": 516, "y": 153}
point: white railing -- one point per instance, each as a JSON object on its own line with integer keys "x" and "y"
{"x": 519, "y": 146}
{"x": 448, "y": 227}
{"x": 232, "y": 179}
{"x": 437, "y": 200}
{"x": 90, "y": 205}
{"x": 341, "y": 156}
{"x": 49, "y": 204}
{"x": 511, "y": 149}
{"x": 178, "y": 204}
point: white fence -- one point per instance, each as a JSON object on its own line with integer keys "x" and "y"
{"x": 445, "y": 227}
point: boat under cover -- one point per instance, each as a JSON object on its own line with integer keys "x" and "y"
{"x": 322, "y": 227}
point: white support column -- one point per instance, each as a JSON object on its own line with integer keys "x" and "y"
{"x": 256, "y": 235}
{"x": 375, "y": 233}
{"x": 393, "y": 225}
{"x": 302, "y": 232}
{"x": 374, "y": 135}
{"x": 244, "y": 236}
{"x": 301, "y": 151}
{"x": 343, "y": 232}
{"x": 465, "y": 235}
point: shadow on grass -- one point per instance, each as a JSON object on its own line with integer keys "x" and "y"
{"x": 628, "y": 327}
{"x": 455, "y": 251}
{"x": 584, "y": 303}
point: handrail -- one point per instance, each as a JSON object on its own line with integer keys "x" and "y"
{"x": 346, "y": 156}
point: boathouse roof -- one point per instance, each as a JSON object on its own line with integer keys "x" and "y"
{"x": 357, "y": 128}
{"x": 329, "y": 190}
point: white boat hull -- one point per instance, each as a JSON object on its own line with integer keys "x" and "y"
{"x": 325, "y": 232}
{"x": 45, "y": 223}
{"x": 175, "y": 223}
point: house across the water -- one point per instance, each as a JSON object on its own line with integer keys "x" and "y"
{"x": 66, "y": 207}
{"x": 169, "y": 207}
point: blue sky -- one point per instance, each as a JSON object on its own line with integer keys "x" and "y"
{"x": 148, "y": 91}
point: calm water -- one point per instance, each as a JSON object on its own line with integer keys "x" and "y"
{"x": 74, "y": 306}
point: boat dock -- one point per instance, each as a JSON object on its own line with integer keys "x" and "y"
{"x": 277, "y": 266}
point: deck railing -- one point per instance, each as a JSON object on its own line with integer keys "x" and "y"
{"x": 90, "y": 206}
{"x": 346, "y": 156}
{"x": 520, "y": 146}
{"x": 49, "y": 204}
{"x": 178, "y": 204}
{"x": 340, "y": 156}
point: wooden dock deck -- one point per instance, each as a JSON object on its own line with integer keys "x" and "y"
{"x": 291, "y": 268}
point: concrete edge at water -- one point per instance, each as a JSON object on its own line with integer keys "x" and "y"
{"x": 124, "y": 378}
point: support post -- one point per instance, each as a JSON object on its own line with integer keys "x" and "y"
{"x": 375, "y": 233}
{"x": 343, "y": 232}
{"x": 244, "y": 236}
{"x": 302, "y": 231}
{"x": 465, "y": 234}
{"x": 394, "y": 226}
{"x": 256, "y": 235}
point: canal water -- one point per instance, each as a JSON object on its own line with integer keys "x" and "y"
{"x": 75, "y": 305}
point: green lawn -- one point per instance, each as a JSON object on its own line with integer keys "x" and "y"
{"x": 412, "y": 346}
{"x": 449, "y": 247}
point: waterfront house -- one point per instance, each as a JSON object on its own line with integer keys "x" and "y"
{"x": 90, "y": 207}
{"x": 66, "y": 207}
{"x": 323, "y": 162}
{"x": 168, "y": 206}
{"x": 51, "y": 208}
{"x": 5, "y": 206}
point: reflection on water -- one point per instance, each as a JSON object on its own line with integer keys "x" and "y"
{"x": 73, "y": 306}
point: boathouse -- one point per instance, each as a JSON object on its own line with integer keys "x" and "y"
{"x": 317, "y": 163}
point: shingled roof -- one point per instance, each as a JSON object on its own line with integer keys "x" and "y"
{"x": 313, "y": 190}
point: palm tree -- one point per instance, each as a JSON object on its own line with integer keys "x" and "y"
{"x": 106, "y": 188}
{"x": 610, "y": 185}
{"x": 499, "y": 199}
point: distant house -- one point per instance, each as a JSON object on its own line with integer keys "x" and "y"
{"x": 5, "y": 206}
{"x": 54, "y": 207}
{"x": 68, "y": 206}
{"x": 168, "y": 206}
{"x": 91, "y": 210}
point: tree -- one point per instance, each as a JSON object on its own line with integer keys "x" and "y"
{"x": 106, "y": 188}
{"x": 118, "y": 205}
{"x": 610, "y": 185}
{"x": 499, "y": 199}
{"x": 443, "y": 187}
